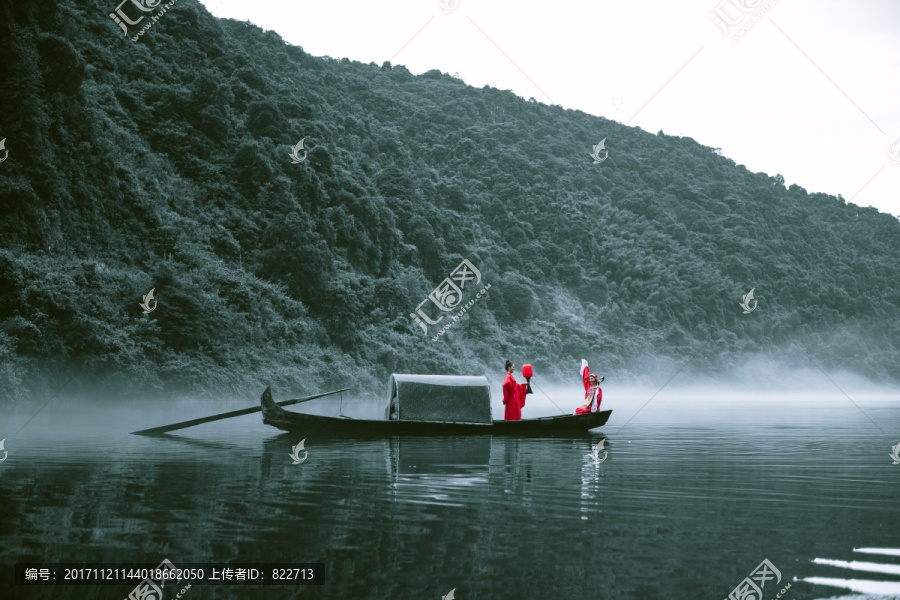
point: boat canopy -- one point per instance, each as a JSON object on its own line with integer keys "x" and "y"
{"x": 439, "y": 399}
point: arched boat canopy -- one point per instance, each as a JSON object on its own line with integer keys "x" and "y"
{"x": 439, "y": 399}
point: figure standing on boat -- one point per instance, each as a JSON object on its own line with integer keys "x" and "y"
{"x": 593, "y": 393}
{"x": 514, "y": 394}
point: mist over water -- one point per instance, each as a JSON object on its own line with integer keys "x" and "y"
{"x": 700, "y": 484}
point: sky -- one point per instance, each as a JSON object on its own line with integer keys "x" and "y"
{"x": 807, "y": 89}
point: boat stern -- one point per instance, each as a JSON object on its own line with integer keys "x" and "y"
{"x": 272, "y": 414}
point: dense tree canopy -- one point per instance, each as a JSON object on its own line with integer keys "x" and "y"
{"x": 164, "y": 164}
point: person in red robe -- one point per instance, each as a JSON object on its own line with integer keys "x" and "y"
{"x": 592, "y": 391}
{"x": 514, "y": 394}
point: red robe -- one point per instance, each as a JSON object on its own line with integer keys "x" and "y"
{"x": 588, "y": 392}
{"x": 513, "y": 397}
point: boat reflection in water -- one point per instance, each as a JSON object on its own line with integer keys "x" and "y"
{"x": 466, "y": 471}
{"x": 440, "y": 471}
{"x": 592, "y": 470}
{"x": 435, "y": 470}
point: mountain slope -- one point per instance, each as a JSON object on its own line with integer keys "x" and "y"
{"x": 164, "y": 164}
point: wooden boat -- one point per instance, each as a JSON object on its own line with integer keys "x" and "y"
{"x": 431, "y": 405}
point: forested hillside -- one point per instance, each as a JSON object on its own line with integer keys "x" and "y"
{"x": 164, "y": 163}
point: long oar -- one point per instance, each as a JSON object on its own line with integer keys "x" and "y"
{"x": 228, "y": 415}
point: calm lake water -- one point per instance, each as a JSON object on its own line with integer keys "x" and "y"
{"x": 695, "y": 492}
